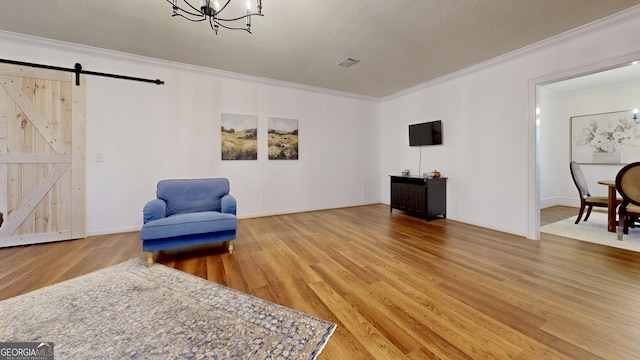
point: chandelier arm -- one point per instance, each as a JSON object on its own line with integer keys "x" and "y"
{"x": 188, "y": 18}
{"x": 222, "y": 8}
{"x": 191, "y": 6}
{"x": 198, "y": 13}
{"x": 230, "y": 27}
{"x": 240, "y": 18}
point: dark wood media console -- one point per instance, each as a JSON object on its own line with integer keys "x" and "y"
{"x": 420, "y": 196}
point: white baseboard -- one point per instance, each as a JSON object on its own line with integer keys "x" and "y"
{"x": 559, "y": 201}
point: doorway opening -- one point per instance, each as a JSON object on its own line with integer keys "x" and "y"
{"x": 604, "y": 87}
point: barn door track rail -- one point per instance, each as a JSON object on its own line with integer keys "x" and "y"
{"x": 78, "y": 70}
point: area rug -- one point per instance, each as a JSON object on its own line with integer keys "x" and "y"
{"x": 594, "y": 230}
{"x": 129, "y": 311}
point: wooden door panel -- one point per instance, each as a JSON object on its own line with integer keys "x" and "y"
{"x": 41, "y": 122}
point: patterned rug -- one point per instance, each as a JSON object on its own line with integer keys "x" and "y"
{"x": 130, "y": 311}
{"x": 594, "y": 230}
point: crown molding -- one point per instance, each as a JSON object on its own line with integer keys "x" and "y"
{"x": 85, "y": 50}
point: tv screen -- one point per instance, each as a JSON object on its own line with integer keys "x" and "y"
{"x": 428, "y": 133}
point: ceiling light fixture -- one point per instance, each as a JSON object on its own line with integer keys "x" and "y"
{"x": 210, "y": 10}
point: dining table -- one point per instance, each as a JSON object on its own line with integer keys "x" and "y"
{"x": 612, "y": 204}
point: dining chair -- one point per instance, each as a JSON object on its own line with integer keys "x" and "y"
{"x": 628, "y": 185}
{"x": 586, "y": 200}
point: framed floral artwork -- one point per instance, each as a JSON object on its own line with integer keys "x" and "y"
{"x": 608, "y": 138}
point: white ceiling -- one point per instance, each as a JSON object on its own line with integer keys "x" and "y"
{"x": 400, "y": 44}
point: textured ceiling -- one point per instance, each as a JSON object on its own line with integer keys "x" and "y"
{"x": 400, "y": 44}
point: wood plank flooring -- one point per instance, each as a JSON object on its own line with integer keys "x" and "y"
{"x": 397, "y": 286}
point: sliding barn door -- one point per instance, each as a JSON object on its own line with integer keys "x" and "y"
{"x": 42, "y": 146}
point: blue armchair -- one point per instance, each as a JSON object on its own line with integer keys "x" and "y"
{"x": 188, "y": 212}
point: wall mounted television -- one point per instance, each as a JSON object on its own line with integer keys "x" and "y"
{"x": 428, "y": 133}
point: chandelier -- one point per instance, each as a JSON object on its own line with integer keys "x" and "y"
{"x": 210, "y": 10}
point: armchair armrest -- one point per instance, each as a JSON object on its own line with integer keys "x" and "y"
{"x": 154, "y": 210}
{"x": 228, "y": 204}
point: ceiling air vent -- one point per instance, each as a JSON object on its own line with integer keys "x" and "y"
{"x": 348, "y": 62}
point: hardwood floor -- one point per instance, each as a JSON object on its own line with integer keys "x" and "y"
{"x": 397, "y": 286}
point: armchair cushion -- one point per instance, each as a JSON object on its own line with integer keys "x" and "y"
{"x": 188, "y": 224}
{"x": 192, "y": 195}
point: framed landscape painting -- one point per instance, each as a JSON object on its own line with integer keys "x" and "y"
{"x": 239, "y": 137}
{"x": 607, "y": 138}
{"x": 283, "y": 139}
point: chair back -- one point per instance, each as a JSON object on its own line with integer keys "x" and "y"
{"x": 579, "y": 179}
{"x": 628, "y": 183}
{"x": 192, "y": 195}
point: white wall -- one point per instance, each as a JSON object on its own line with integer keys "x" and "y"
{"x": 554, "y": 152}
{"x": 489, "y": 133}
{"x": 149, "y": 132}
{"x": 484, "y": 149}
{"x": 557, "y": 188}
